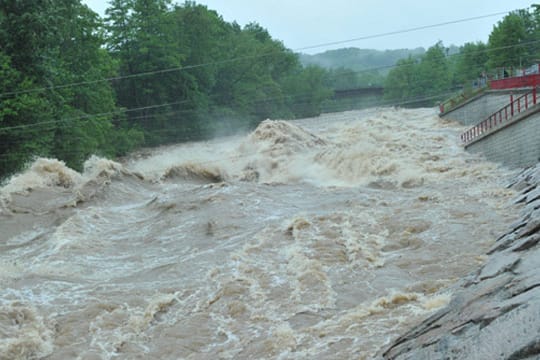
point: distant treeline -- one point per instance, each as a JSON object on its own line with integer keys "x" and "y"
{"x": 360, "y": 60}
{"x": 73, "y": 84}
{"x": 434, "y": 76}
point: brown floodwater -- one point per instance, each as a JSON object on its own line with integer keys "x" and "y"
{"x": 319, "y": 238}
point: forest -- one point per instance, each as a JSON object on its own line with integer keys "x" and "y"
{"x": 514, "y": 43}
{"x": 151, "y": 72}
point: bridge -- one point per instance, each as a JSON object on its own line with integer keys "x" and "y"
{"x": 359, "y": 92}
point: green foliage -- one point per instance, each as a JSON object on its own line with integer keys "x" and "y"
{"x": 512, "y": 44}
{"x": 434, "y": 75}
{"x": 514, "y": 40}
{"x": 241, "y": 75}
{"x": 251, "y": 84}
{"x": 420, "y": 83}
{"x": 343, "y": 78}
{"x": 17, "y": 112}
{"x": 508, "y": 34}
{"x": 47, "y": 44}
{"x": 471, "y": 62}
{"x": 533, "y": 33}
{"x": 306, "y": 91}
{"x": 400, "y": 85}
{"x": 180, "y": 72}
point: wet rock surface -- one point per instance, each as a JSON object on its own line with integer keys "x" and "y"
{"x": 495, "y": 312}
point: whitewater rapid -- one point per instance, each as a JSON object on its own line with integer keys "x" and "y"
{"x": 321, "y": 238}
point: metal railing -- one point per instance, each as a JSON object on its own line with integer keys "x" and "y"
{"x": 521, "y": 81}
{"x": 503, "y": 115}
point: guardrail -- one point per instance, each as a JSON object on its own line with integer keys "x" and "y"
{"x": 522, "y": 81}
{"x": 503, "y": 115}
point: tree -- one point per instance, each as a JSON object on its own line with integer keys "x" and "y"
{"x": 401, "y": 82}
{"x": 53, "y": 60}
{"x": 73, "y": 85}
{"x": 420, "y": 83}
{"x": 20, "y": 110}
{"x": 163, "y": 100}
{"x": 506, "y": 41}
{"x": 433, "y": 79}
{"x": 471, "y": 62}
{"x": 533, "y": 34}
{"x": 306, "y": 91}
{"x": 252, "y": 74}
{"x": 200, "y": 33}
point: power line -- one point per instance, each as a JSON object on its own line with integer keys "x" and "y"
{"x": 404, "y": 31}
{"x": 120, "y": 111}
{"x": 188, "y": 67}
{"x": 368, "y": 104}
{"x": 130, "y": 76}
{"x": 383, "y": 103}
{"x": 295, "y": 97}
{"x": 90, "y": 116}
{"x": 5, "y": 157}
{"x": 456, "y": 55}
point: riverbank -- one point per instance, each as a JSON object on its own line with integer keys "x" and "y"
{"x": 495, "y": 311}
{"x": 322, "y": 238}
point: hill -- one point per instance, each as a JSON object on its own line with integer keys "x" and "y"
{"x": 358, "y": 59}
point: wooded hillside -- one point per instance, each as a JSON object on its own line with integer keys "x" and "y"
{"x": 73, "y": 84}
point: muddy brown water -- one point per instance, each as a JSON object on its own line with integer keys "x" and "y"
{"x": 320, "y": 238}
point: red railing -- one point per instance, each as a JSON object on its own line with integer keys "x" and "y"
{"x": 516, "y": 82}
{"x": 515, "y": 107}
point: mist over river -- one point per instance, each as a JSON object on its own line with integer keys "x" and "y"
{"x": 319, "y": 238}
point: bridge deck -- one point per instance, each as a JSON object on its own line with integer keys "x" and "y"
{"x": 346, "y": 93}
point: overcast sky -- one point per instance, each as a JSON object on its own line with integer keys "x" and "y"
{"x": 306, "y": 23}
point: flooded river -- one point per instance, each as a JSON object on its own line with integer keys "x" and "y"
{"x": 320, "y": 238}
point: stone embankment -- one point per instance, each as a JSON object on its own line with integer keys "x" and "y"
{"x": 495, "y": 312}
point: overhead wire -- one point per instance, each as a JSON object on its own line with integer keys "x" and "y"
{"x": 383, "y": 103}
{"x": 187, "y": 67}
{"x": 456, "y": 55}
{"x": 89, "y": 116}
{"x": 295, "y": 98}
{"x": 372, "y": 69}
{"x": 403, "y": 31}
{"x": 238, "y": 157}
{"x": 183, "y": 68}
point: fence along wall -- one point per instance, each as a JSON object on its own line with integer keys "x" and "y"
{"x": 502, "y": 117}
{"x": 480, "y": 107}
{"x": 515, "y": 145}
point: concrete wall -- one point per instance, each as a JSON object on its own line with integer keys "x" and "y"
{"x": 515, "y": 145}
{"x": 480, "y": 107}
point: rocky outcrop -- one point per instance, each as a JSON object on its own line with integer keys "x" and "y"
{"x": 495, "y": 312}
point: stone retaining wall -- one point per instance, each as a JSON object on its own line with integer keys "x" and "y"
{"x": 481, "y": 106}
{"x": 495, "y": 312}
{"x": 515, "y": 145}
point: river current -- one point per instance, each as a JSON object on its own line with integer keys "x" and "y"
{"x": 320, "y": 238}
